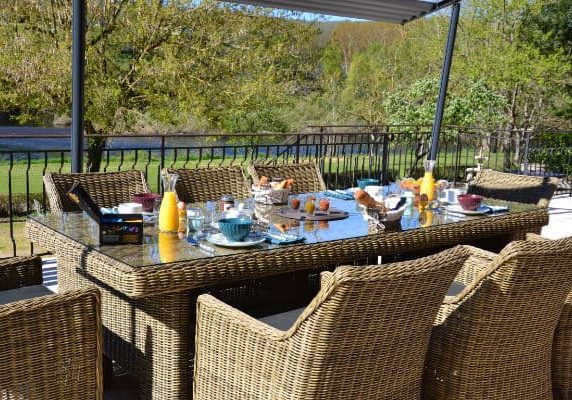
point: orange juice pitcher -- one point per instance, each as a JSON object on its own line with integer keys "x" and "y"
{"x": 167, "y": 244}
{"x": 168, "y": 213}
{"x": 428, "y": 184}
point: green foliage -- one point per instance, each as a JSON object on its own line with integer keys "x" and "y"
{"x": 553, "y": 151}
{"x": 181, "y": 65}
{"x": 549, "y": 30}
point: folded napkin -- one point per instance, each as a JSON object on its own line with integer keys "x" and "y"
{"x": 339, "y": 194}
{"x": 497, "y": 209}
{"x": 284, "y": 239}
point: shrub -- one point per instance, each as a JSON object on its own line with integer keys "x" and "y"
{"x": 19, "y": 205}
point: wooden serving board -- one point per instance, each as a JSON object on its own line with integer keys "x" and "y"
{"x": 330, "y": 215}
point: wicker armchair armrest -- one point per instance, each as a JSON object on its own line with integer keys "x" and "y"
{"x": 16, "y": 272}
{"x": 325, "y": 277}
{"x": 534, "y": 237}
{"x": 477, "y": 261}
{"x": 233, "y": 352}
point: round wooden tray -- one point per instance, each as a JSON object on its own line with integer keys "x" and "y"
{"x": 331, "y": 215}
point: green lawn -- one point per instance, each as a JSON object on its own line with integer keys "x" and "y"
{"x": 24, "y": 176}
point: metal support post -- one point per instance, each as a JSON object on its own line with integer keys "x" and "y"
{"x": 444, "y": 80}
{"x": 78, "y": 78}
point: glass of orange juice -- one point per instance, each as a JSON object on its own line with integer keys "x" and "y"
{"x": 310, "y": 206}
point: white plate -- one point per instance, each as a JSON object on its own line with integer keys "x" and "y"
{"x": 220, "y": 240}
{"x": 459, "y": 210}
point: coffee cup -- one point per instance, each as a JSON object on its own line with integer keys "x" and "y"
{"x": 452, "y": 195}
{"x": 374, "y": 191}
{"x": 129, "y": 208}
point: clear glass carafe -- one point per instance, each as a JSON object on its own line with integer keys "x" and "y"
{"x": 169, "y": 214}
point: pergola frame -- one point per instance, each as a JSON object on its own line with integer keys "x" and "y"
{"x": 397, "y": 11}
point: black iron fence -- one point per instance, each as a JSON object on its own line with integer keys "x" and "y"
{"x": 343, "y": 153}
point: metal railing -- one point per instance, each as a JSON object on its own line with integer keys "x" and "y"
{"x": 343, "y": 153}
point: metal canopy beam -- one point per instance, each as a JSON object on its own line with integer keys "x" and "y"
{"x": 444, "y": 81}
{"x": 396, "y": 11}
{"x": 78, "y": 75}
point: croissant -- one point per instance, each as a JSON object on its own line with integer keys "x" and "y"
{"x": 363, "y": 198}
{"x": 281, "y": 185}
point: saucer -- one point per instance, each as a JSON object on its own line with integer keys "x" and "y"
{"x": 457, "y": 209}
{"x": 219, "y": 240}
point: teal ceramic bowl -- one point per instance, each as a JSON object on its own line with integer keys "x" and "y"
{"x": 235, "y": 229}
{"x": 362, "y": 183}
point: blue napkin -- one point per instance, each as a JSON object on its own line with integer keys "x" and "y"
{"x": 339, "y": 194}
{"x": 497, "y": 209}
{"x": 275, "y": 239}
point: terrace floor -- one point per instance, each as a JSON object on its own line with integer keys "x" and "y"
{"x": 125, "y": 388}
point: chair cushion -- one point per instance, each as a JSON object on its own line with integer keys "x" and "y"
{"x": 284, "y": 320}
{"x": 23, "y": 293}
{"x": 455, "y": 288}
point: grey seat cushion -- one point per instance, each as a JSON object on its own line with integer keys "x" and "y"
{"x": 455, "y": 288}
{"x": 23, "y": 293}
{"x": 284, "y": 320}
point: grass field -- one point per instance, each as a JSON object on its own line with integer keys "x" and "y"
{"x": 28, "y": 177}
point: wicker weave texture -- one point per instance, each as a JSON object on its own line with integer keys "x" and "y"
{"x": 512, "y": 187}
{"x": 364, "y": 336}
{"x": 16, "y": 272}
{"x": 145, "y": 330}
{"x": 562, "y": 346}
{"x": 50, "y": 347}
{"x": 148, "y": 337}
{"x": 307, "y": 176}
{"x": 562, "y": 353}
{"x": 494, "y": 340}
{"x": 205, "y": 184}
{"x": 107, "y": 189}
{"x": 209, "y": 272}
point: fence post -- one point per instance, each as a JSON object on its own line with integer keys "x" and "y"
{"x": 385, "y": 159}
{"x": 162, "y": 152}
{"x": 525, "y": 157}
{"x": 297, "y": 147}
{"x": 457, "y": 157}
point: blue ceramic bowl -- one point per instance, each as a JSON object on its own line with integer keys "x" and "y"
{"x": 235, "y": 229}
{"x": 362, "y": 183}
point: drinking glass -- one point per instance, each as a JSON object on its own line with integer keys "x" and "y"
{"x": 156, "y": 209}
{"x": 195, "y": 222}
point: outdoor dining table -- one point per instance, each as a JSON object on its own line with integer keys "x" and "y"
{"x": 149, "y": 290}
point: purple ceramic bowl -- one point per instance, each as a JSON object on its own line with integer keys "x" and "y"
{"x": 147, "y": 200}
{"x": 470, "y": 202}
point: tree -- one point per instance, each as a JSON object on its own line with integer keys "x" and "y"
{"x": 548, "y": 29}
{"x": 154, "y": 65}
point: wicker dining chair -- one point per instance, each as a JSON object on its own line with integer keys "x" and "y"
{"x": 562, "y": 345}
{"x": 204, "y": 184}
{"x": 364, "y": 336}
{"x": 50, "y": 344}
{"x": 493, "y": 340}
{"x": 307, "y": 176}
{"x": 511, "y": 187}
{"x": 107, "y": 189}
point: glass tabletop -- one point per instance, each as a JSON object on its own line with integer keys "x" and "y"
{"x": 159, "y": 248}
